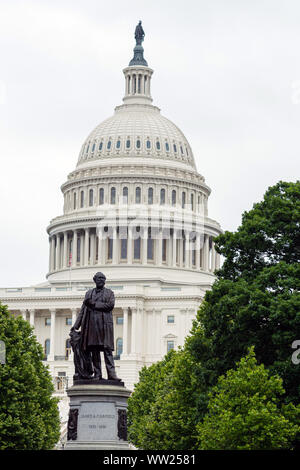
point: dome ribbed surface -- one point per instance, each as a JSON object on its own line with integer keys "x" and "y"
{"x": 137, "y": 130}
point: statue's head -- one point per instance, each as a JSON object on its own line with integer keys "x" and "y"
{"x": 140, "y": 22}
{"x": 99, "y": 279}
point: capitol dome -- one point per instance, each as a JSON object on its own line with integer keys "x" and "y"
{"x": 137, "y": 130}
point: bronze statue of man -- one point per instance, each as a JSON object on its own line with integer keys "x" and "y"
{"x": 139, "y": 34}
{"x": 96, "y": 323}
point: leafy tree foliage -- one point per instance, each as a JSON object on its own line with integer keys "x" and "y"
{"x": 245, "y": 411}
{"x": 237, "y": 314}
{"x": 269, "y": 233}
{"x": 29, "y": 417}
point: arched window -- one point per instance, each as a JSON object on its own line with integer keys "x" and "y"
{"x": 138, "y": 144}
{"x": 91, "y": 197}
{"x": 47, "y": 347}
{"x": 81, "y": 198}
{"x": 167, "y": 147}
{"x": 148, "y": 144}
{"x": 158, "y": 145}
{"x": 78, "y": 249}
{"x": 162, "y": 196}
{"x": 101, "y": 196}
{"x": 173, "y": 197}
{"x": 138, "y": 195}
{"x": 183, "y": 200}
{"x": 181, "y": 149}
{"x": 175, "y": 148}
{"x": 150, "y": 196}
{"x": 74, "y": 200}
{"x": 108, "y": 145}
{"x": 100, "y": 145}
{"x": 119, "y": 347}
{"x": 112, "y": 195}
{"x": 118, "y": 145}
{"x": 93, "y": 148}
{"x": 192, "y": 201}
{"x": 87, "y": 149}
{"x": 128, "y": 143}
{"x": 125, "y": 195}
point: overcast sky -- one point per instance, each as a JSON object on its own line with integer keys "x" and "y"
{"x": 226, "y": 72}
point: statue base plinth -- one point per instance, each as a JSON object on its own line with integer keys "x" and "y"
{"x": 98, "y": 416}
{"x": 98, "y": 382}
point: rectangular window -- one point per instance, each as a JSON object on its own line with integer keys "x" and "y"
{"x": 171, "y": 319}
{"x": 69, "y": 321}
{"x": 109, "y": 248}
{"x": 123, "y": 248}
{"x": 170, "y": 345}
{"x": 137, "y": 248}
{"x": 150, "y": 248}
{"x": 47, "y": 321}
{"x": 164, "y": 249}
{"x": 119, "y": 320}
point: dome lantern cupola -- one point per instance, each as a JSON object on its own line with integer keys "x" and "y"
{"x": 138, "y": 74}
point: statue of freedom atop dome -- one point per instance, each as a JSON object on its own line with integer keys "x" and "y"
{"x": 139, "y": 34}
{"x": 96, "y": 333}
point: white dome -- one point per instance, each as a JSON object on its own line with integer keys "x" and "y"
{"x": 137, "y": 130}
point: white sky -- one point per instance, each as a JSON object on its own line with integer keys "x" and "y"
{"x": 226, "y": 72}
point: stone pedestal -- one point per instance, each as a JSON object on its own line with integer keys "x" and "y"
{"x": 98, "y": 416}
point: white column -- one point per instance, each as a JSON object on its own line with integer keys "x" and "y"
{"x": 129, "y": 246}
{"x": 205, "y": 253}
{"x": 187, "y": 250}
{"x": 52, "y": 253}
{"x": 57, "y": 254}
{"x": 74, "y": 249}
{"x": 197, "y": 251}
{"x": 52, "y": 336}
{"x": 86, "y": 247}
{"x": 31, "y": 316}
{"x": 125, "y": 331}
{"x": 158, "y": 242}
{"x": 24, "y": 314}
{"x": 213, "y": 257}
{"x": 115, "y": 246}
{"x": 65, "y": 250}
{"x": 93, "y": 251}
{"x": 133, "y": 329}
{"x": 174, "y": 244}
{"x": 74, "y": 315}
{"x": 144, "y": 246}
{"x": 101, "y": 248}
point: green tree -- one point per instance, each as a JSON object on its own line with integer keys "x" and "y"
{"x": 171, "y": 417}
{"x": 29, "y": 417}
{"x": 269, "y": 233}
{"x": 256, "y": 299}
{"x": 244, "y": 411}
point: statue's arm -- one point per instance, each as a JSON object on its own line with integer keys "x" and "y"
{"x": 78, "y": 321}
{"x": 108, "y": 305}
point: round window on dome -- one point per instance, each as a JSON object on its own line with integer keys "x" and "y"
{"x": 148, "y": 144}
{"x": 158, "y": 145}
